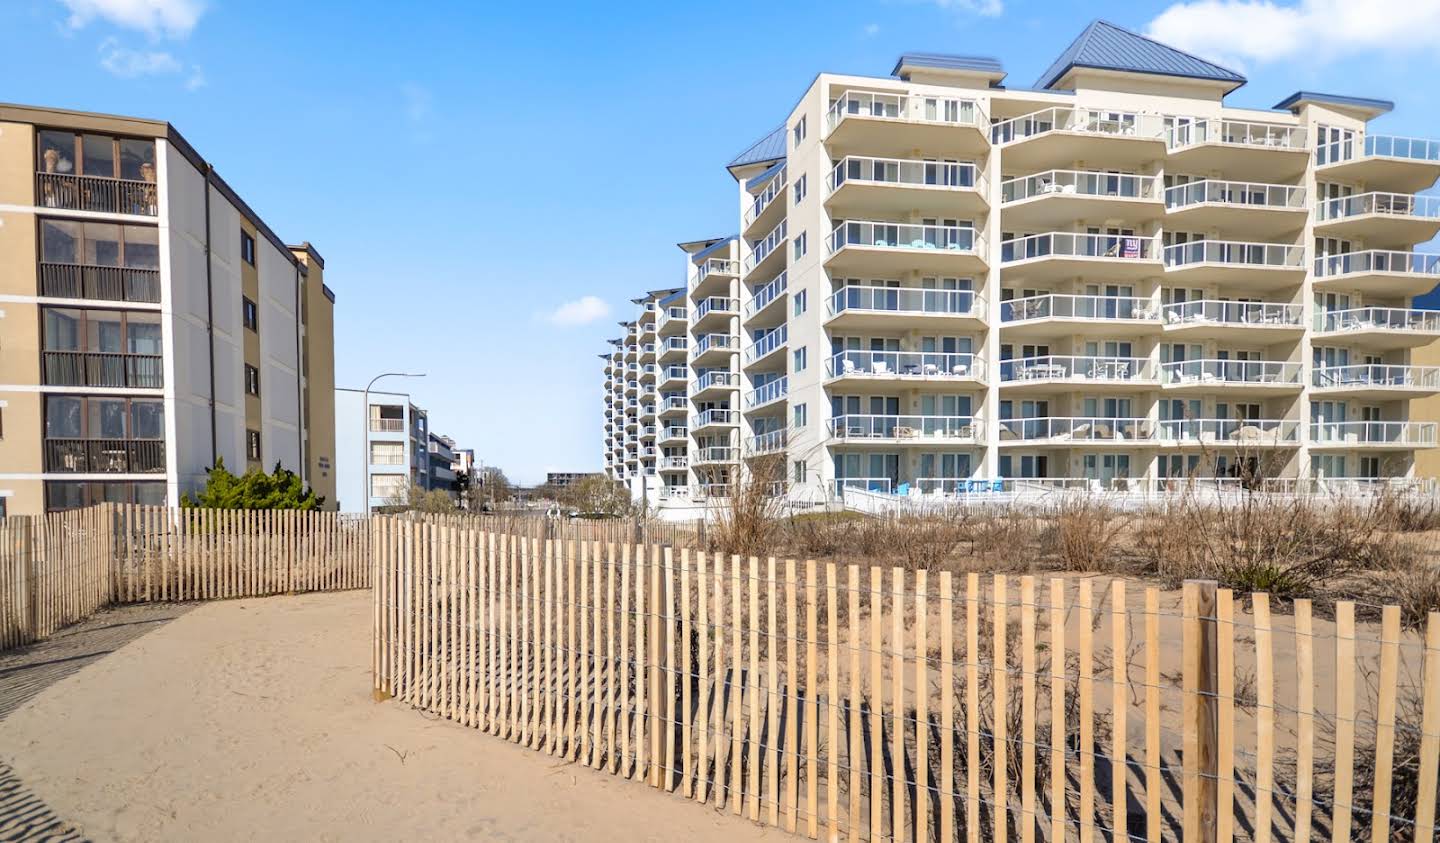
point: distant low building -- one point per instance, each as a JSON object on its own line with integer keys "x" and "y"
{"x": 561, "y": 479}
{"x": 442, "y": 465}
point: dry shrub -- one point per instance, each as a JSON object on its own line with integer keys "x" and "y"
{"x": 747, "y": 524}
{"x": 1085, "y": 533}
{"x": 1415, "y": 590}
{"x": 1410, "y": 513}
{"x": 921, "y": 543}
{"x": 1010, "y": 535}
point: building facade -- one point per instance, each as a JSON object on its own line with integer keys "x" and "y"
{"x": 392, "y": 434}
{"x": 151, "y": 323}
{"x": 441, "y": 458}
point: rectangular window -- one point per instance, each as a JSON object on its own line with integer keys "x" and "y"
{"x": 251, "y": 314}
{"x": 387, "y": 453}
{"x": 799, "y": 131}
{"x": 800, "y": 415}
{"x": 252, "y": 380}
{"x": 799, "y": 471}
{"x": 800, "y": 189}
{"x": 247, "y": 248}
{"x": 801, "y": 301}
{"x": 387, "y": 486}
{"x": 252, "y": 445}
{"x": 800, "y": 359}
{"x": 800, "y": 245}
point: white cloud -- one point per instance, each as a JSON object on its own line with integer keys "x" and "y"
{"x": 1241, "y": 32}
{"x": 871, "y": 30}
{"x": 156, "y": 18}
{"x": 581, "y": 311}
{"x": 983, "y": 8}
{"x": 129, "y": 64}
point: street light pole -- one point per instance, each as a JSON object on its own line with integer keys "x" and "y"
{"x": 365, "y": 431}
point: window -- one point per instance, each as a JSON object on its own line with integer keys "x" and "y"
{"x": 105, "y": 348}
{"x": 2, "y": 507}
{"x": 800, "y": 359}
{"x": 247, "y": 248}
{"x": 800, "y": 415}
{"x": 799, "y": 131}
{"x": 68, "y": 494}
{"x": 800, "y": 186}
{"x": 387, "y": 453}
{"x": 250, "y": 313}
{"x": 252, "y": 445}
{"x": 800, "y": 245}
{"x": 387, "y": 486}
{"x": 252, "y": 380}
{"x": 103, "y": 249}
{"x": 799, "y": 471}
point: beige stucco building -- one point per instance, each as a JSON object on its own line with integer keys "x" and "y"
{"x": 150, "y": 321}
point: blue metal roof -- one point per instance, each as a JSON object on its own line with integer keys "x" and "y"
{"x": 767, "y": 149}
{"x": 1379, "y": 106}
{"x": 765, "y": 176}
{"x": 714, "y": 247}
{"x": 943, "y": 61}
{"x": 1105, "y": 46}
{"x": 678, "y": 294}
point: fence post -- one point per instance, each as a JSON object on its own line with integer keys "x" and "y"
{"x": 1202, "y": 684}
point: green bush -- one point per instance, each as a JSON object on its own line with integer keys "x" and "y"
{"x": 281, "y": 489}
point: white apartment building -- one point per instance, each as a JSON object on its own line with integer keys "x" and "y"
{"x": 393, "y": 437}
{"x": 1110, "y": 279}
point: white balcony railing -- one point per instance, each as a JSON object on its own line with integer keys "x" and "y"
{"x": 716, "y": 304}
{"x": 1379, "y": 318}
{"x": 906, "y": 300}
{"x": 717, "y": 416}
{"x": 674, "y": 372}
{"x": 769, "y": 442}
{"x": 1080, "y": 120}
{"x": 953, "y": 111}
{"x": 762, "y": 248}
{"x": 768, "y": 393}
{"x": 674, "y": 463}
{"x": 951, "y": 175}
{"x": 1378, "y": 146}
{"x": 912, "y": 427}
{"x": 675, "y": 344}
{"x": 1373, "y": 433}
{"x": 773, "y": 188}
{"x": 1229, "y": 431}
{"x": 765, "y": 295}
{"x": 673, "y": 314}
{"x": 1063, "y": 306}
{"x": 1079, "y": 245}
{"x": 1236, "y": 133}
{"x": 1361, "y": 263}
{"x": 671, "y": 433}
{"x": 1210, "y": 311}
{"x": 1372, "y": 375}
{"x": 1271, "y": 372}
{"x": 1236, "y": 193}
{"x": 1080, "y": 183}
{"x": 1077, "y": 429}
{"x": 674, "y": 402}
{"x": 713, "y": 342}
{"x": 715, "y": 453}
{"x": 905, "y": 364}
{"x": 1235, "y": 253}
{"x": 1099, "y": 368}
{"x": 901, "y": 235}
{"x": 1406, "y": 205}
{"x": 715, "y": 266}
{"x": 715, "y": 380}
{"x": 766, "y": 343}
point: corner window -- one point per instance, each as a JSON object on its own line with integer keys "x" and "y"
{"x": 252, "y": 380}
{"x": 247, "y": 248}
{"x": 250, "y": 313}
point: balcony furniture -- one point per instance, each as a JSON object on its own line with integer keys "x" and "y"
{"x": 960, "y": 369}
{"x": 880, "y": 367}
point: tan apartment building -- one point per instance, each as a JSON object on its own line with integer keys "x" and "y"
{"x": 151, "y": 323}
{"x": 1110, "y": 278}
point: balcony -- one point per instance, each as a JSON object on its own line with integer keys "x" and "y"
{"x": 887, "y": 248}
{"x": 1102, "y": 139}
{"x": 713, "y": 275}
{"x": 1257, "y": 377}
{"x": 647, "y": 374}
{"x": 673, "y": 320}
{"x": 1261, "y": 266}
{"x": 713, "y": 349}
{"x": 674, "y": 463}
{"x": 1380, "y": 327}
{"x": 714, "y": 313}
{"x": 105, "y": 456}
{"x": 760, "y": 311}
{"x": 763, "y": 211}
{"x": 98, "y": 194}
{"x": 767, "y": 344}
{"x": 861, "y": 185}
{"x": 672, "y": 376}
{"x": 1047, "y": 314}
{"x": 632, "y": 388}
{"x": 93, "y": 368}
{"x": 965, "y": 370}
{"x": 717, "y": 417}
{"x": 1260, "y": 210}
{"x": 768, "y": 393}
{"x": 673, "y": 404}
{"x": 896, "y": 124}
{"x": 1404, "y": 165}
{"x": 1088, "y": 430}
{"x": 672, "y": 348}
{"x": 1379, "y": 218}
{"x": 1240, "y": 321}
{"x": 674, "y": 433}
{"x": 1237, "y": 147}
{"x": 1056, "y": 198}
{"x": 1230, "y": 433}
{"x": 904, "y": 308}
{"x": 1039, "y": 374}
{"x": 767, "y": 255}
{"x": 714, "y": 384}
{"x": 770, "y": 442}
{"x": 1058, "y": 255}
{"x": 647, "y": 332}
{"x": 105, "y": 283}
{"x": 387, "y": 425}
{"x": 1377, "y": 381}
{"x": 649, "y": 431}
{"x": 906, "y": 430}
{"x": 1372, "y": 434}
{"x": 714, "y": 454}
{"x": 1379, "y": 272}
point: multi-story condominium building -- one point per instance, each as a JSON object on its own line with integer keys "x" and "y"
{"x": 645, "y": 399}
{"x": 151, "y": 324}
{"x": 561, "y": 479}
{"x": 393, "y": 435}
{"x": 441, "y": 458}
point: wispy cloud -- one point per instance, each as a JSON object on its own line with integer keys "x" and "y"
{"x": 1241, "y": 32}
{"x": 983, "y": 8}
{"x": 128, "y": 64}
{"x": 156, "y": 18}
{"x": 581, "y": 311}
{"x": 871, "y": 30}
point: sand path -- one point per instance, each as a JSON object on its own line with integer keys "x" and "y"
{"x": 252, "y": 719}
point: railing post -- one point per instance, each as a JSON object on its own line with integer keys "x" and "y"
{"x": 1201, "y": 686}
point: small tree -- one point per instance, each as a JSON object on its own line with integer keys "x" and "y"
{"x": 417, "y": 498}
{"x": 597, "y": 494}
{"x": 281, "y": 489}
{"x": 494, "y": 485}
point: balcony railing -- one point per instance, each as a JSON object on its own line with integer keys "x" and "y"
{"x": 1209, "y": 311}
{"x": 674, "y": 402}
{"x": 770, "y": 341}
{"x": 1084, "y": 120}
{"x": 1380, "y": 318}
{"x": 673, "y": 314}
{"x": 907, "y": 300}
{"x": 953, "y": 238}
{"x": 1236, "y": 133}
{"x": 903, "y": 364}
{"x": 715, "y": 266}
{"x": 883, "y": 485}
{"x": 715, "y": 379}
{"x": 108, "y": 283}
{"x": 905, "y": 173}
{"x": 1368, "y": 375}
{"x": 1271, "y": 372}
{"x": 951, "y": 111}
{"x": 713, "y": 342}
{"x": 1235, "y": 253}
{"x": 897, "y": 427}
{"x": 1406, "y": 205}
{"x": 768, "y": 393}
{"x": 675, "y": 344}
{"x": 92, "y": 368}
{"x": 1081, "y": 183}
{"x": 1374, "y": 432}
{"x": 105, "y": 456}
{"x": 769, "y": 442}
{"x": 773, "y": 188}
{"x": 672, "y": 373}
{"x": 1077, "y": 367}
{"x": 1230, "y": 431}
{"x": 1077, "y": 428}
{"x": 1236, "y": 193}
{"x": 669, "y": 433}
{"x": 713, "y": 417}
{"x": 674, "y": 463}
{"x": 716, "y": 304}
{"x": 1062, "y": 306}
{"x": 765, "y": 295}
{"x": 1379, "y": 146}
{"x": 715, "y": 453}
{"x": 1360, "y": 263}
{"x": 761, "y": 249}
{"x": 387, "y": 425}
{"x": 1070, "y": 244}
{"x": 91, "y": 193}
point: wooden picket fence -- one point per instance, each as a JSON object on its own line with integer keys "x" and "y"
{"x": 883, "y": 704}
{"x": 58, "y": 569}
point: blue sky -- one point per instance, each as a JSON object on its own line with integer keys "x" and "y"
{"x": 469, "y": 169}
